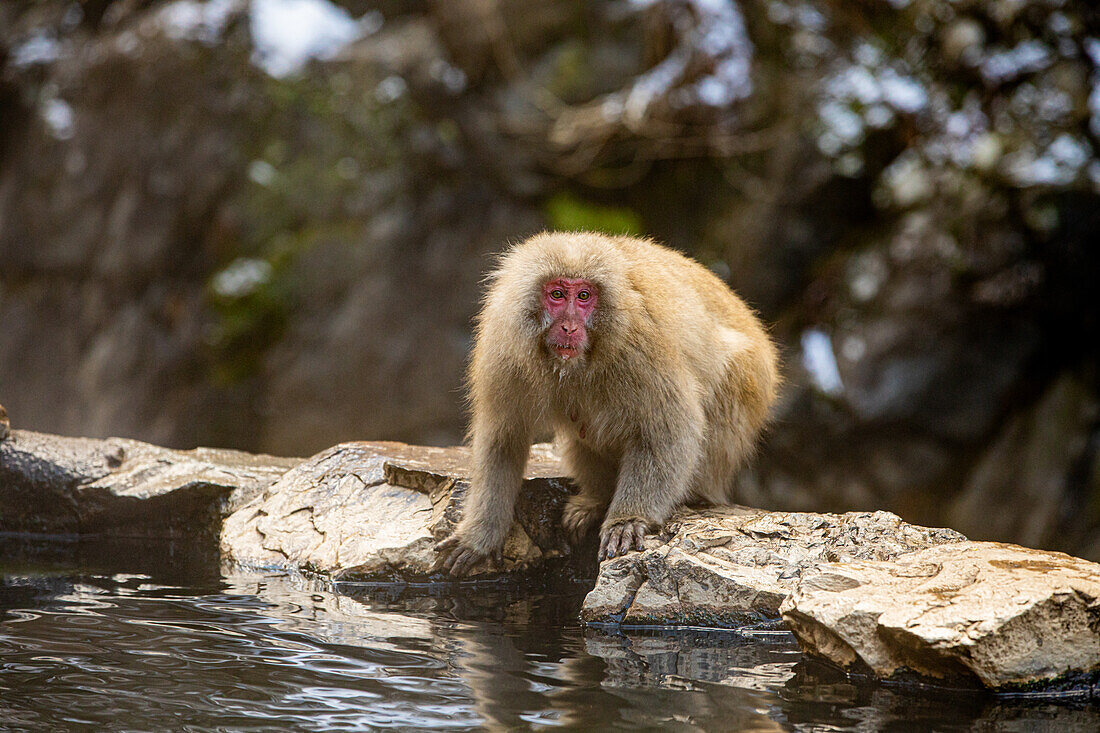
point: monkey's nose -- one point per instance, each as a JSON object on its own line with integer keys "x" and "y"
{"x": 568, "y": 328}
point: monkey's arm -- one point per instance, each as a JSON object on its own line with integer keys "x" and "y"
{"x": 500, "y": 455}
{"x": 654, "y": 476}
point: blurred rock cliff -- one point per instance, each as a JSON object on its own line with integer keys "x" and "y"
{"x": 263, "y": 224}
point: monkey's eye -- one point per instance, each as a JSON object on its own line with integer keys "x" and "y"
{"x": 557, "y": 293}
{"x": 584, "y": 295}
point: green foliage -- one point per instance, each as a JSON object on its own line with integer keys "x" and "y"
{"x": 249, "y": 316}
{"x": 571, "y": 75}
{"x": 317, "y": 162}
{"x": 568, "y": 212}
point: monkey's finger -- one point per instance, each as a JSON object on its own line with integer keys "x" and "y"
{"x": 624, "y": 536}
{"x": 466, "y": 566}
{"x": 444, "y": 561}
{"x": 614, "y": 541}
{"x": 453, "y": 565}
{"x": 639, "y": 536}
{"x": 604, "y": 537}
{"x": 455, "y": 557}
{"x": 447, "y": 559}
{"x": 445, "y": 547}
{"x": 445, "y": 550}
{"x": 465, "y": 562}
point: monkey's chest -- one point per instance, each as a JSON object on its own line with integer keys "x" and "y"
{"x": 594, "y": 430}
{"x": 578, "y": 424}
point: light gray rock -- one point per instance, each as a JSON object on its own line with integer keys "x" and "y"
{"x": 730, "y": 566}
{"x": 56, "y": 485}
{"x": 373, "y": 511}
{"x": 1004, "y": 615}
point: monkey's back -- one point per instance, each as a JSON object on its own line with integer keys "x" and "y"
{"x": 710, "y": 323}
{"x": 723, "y": 343}
{"x": 658, "y": 265}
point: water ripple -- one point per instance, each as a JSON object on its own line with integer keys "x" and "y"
{"x": 187, "y": 650}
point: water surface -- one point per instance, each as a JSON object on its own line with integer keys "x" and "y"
{"x": 126, "y": 636}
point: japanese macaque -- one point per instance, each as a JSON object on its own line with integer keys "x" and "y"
{"x": 655, "y": 378}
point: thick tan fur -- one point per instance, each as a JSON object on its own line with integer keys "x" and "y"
{"x": 670, "y": 396}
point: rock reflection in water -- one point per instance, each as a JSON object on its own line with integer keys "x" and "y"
{"x": 724, "y": 678}
{"x": 818, "y": 693}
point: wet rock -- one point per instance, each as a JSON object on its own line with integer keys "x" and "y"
{"x": 731, "y": 566}
{"x": 56, "y": 485}
{"x": 1002, "y": 615}
{"x": 373, "y": 511}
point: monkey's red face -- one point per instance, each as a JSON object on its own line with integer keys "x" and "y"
{"x": 568, "y": 305}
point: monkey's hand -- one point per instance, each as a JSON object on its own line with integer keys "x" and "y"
{"x": 458, "y": 558}
{"x": 579, "y": 516}
{"x": 622, "y": 536}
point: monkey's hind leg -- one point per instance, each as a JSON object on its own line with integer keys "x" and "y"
{"x": 595, "y": 475}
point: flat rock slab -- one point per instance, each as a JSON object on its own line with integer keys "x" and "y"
{"x": 373, "y": 512}
{"x": 55, "y": 485}
{"x": 1006, "y": 616}
{"x": 730, "y": 566}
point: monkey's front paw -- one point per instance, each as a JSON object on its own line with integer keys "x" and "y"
{"x": 578, "y": 517}
{"x": 459, "y": 559}
{"x": 622, "y": 537}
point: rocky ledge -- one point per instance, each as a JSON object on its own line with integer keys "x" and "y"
{"x": 55, "y": 485}
{"x": 864, "y": 591}
{"x": 1002, "y": 615}
{"x": 373, "y": 512}
{"x": 731, "y": 566}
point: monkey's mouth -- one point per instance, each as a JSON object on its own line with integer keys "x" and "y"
{"x": 565, "y": 352}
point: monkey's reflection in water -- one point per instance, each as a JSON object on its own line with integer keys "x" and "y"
{"x": 589, "y": 680}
